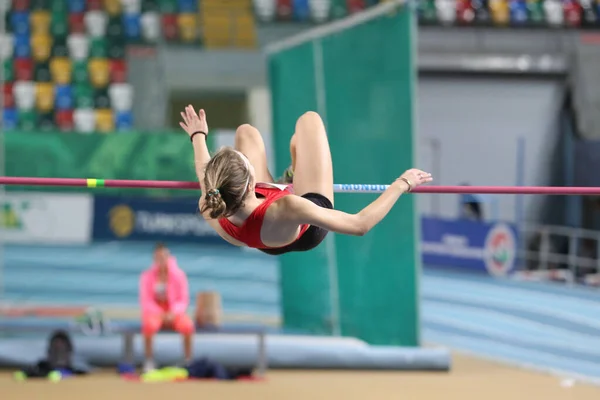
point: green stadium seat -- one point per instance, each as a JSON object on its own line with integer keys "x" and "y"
{"x": 168, "y": 6}
{"x": 101, "y": 99}
{"x": 44, "y": 97}
{"x": 27, "y": 120}
{"x": 45, "y": 121}
{"x": 116, "y": 49}
{"x": 80, "y": 72}
{"x": 98, "y": 47}
{"x": 114, "y": 28}
{"x": 59, "y": 47}
{"x": 84, "y": 95}
{"x": 59, "y": 24}
{"x": 41, "y": 72}
{"x": 9, "y": 71}
{"x": 150, "y": 6}
{"x": 339, "y": 8}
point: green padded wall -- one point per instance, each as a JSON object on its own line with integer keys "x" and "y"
{"x": 359, "y": 74}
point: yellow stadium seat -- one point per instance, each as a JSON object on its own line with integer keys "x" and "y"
{"x": 61, "y": 70}
{"x": 44, "y": 96}
{"x": 188, "y": 25}
{"x": 499, "y": 11}
{"x": 104, "y": 120}
{"x": 99, "y": 72}
{"x": 39, "y": 20}
{"x": 112, "y": 7}
{"x": 41, "y": 46}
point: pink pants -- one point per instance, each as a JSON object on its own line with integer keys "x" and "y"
{"x": 153, "y": 323}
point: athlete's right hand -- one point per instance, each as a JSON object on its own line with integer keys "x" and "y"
{"x": 193, "y": 122}
{"x": 415, "y": 177}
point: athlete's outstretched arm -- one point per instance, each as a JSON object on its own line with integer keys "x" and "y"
{"x": 303, "y": 211}
{"x": 193, "y": 122}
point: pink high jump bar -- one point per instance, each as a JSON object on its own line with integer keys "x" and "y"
{"x": 338, "y": 188}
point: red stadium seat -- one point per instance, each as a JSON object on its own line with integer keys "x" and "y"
{"x": 9, "y": 99}
{"x": 23, "y": 69}
{"x": 169, "y": 26}
{"x": 355, "y": 5}
{"x": 284, "y": 9}
{"x": 76, "y": 23}
{"x": 64, "y": 120}
{"x": 118, "y": 71}
{"x": 20, "y": 5}
{"x": 94, "y": 5}
{"x": 573, "y": 13}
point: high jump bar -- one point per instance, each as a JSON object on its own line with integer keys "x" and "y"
{"x": 338, "y": 188}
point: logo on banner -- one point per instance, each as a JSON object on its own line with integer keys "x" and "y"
{"x": 500, "y": 250}
{"x": 121, "y": 220}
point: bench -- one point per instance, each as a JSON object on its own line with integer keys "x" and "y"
{"x": 129, "y": 329}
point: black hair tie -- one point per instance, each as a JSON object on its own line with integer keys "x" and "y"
{"x": 195, "y": 133}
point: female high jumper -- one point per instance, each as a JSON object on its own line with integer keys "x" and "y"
{"x": 243, "y": 204}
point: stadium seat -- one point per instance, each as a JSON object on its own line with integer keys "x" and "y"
{"x": 573, "y": 13}
{"x": 84, "y": 96}
{"x": 77, "y": 23}
{"x": 150, "y": 23}
{"x": 518, "y": 12}
{"x": 41, "y": 72}
{"x": 59, "y": 25}
{"x": 464, "y": 12}
{"x": 150, "y": 6}
{"x": 41, "y": 47}
{"x": 45, "y": 121}
{"x": 482, "y": 11}
{"x": 19, "y": 22}
{"x": 24, "y": 94}
{"x": 169, "y": 26}
{"x": 553, "y": 12}
{"x": 7, "y": 46}
{"x": 7, "y": 91}
{"x": 265, "y": 9}
{"x": 116, "y": 49}
{"x": 27, "y": 120}
{"x": 23, "y": 69}
{"x": 118, "y": 71}
{"x": 64, "y": 120}
{"x": 123, "y": 120}
{"x": 283, "y": 10}
{"x": 589, "y": 15}
{"x": 58, "y": 6}
{"x": 40, "y": 22}
{"x": 131, "y": 6}
{"x": 80, "y": 72}
{"x": 101, "y": 98}
{"x": 61, "y": 69}
{"x": 98, "y": 47}
{"x": 301, "y": 10}
{"x": 132, "y": 26}
{"x": 84, "y": 119}
{"x": 114, "y": 27}
{"x": 187, "y": 6}
{"x": 44, "y": 97}
{"x": 427, "y": 11}
{"x": 499, "y": 12}
{"x": 76, "y": 6}
{"x": 187, "y": 26}
{"x": 79, "y": 46}
{"x": 10, "y": 118}
{"x": 63, "y": 97}
{"x": 39, "y": 5}
{"x": 355, "y": 6}
{"x": 112, "y": 7}
{"x": 99, "y": 72}
{"x": 339, "y": 8}
{"x": 446, "y": 11}
{"x": 121, "y": 96}
{"x": 22, "y": 45}
{"x": 59, "y": 47}
{"x": 21, "y": 5}
{"x": 93, "y": 5}
{"x": 168, "y": 6}
{"x": 105, "y": 120}
{"x": 96, "y": 23}
{"x": 9, "y": 70}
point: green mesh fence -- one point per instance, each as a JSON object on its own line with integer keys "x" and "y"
{"x": 359, "y": 74}
{"x": 132, "y": 155}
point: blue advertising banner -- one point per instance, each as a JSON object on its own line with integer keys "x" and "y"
{"x": 470, "y": 245}
{"x": 139, "y": 218}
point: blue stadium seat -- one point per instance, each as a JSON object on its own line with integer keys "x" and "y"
{"x": 76, "y": 6}
{"x": 64, "y": 97}
{"x": 123, "y": 120}
{"x": 22, "y": 46}
{"x": 132, "y": 26}
{"x": 10, "y": 118}
{"x": 19, "y": 21}
{"x": 301, "y": 10}
{"x": 187, "y": 6}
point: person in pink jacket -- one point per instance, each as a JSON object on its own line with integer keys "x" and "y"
{"x": 164, "y": 298}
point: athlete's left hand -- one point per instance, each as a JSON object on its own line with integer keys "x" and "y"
{"x": 193, "y": 122}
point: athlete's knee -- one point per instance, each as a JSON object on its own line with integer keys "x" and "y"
{"x": 246, "y": 133}
{"x": 308, "y": 121}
